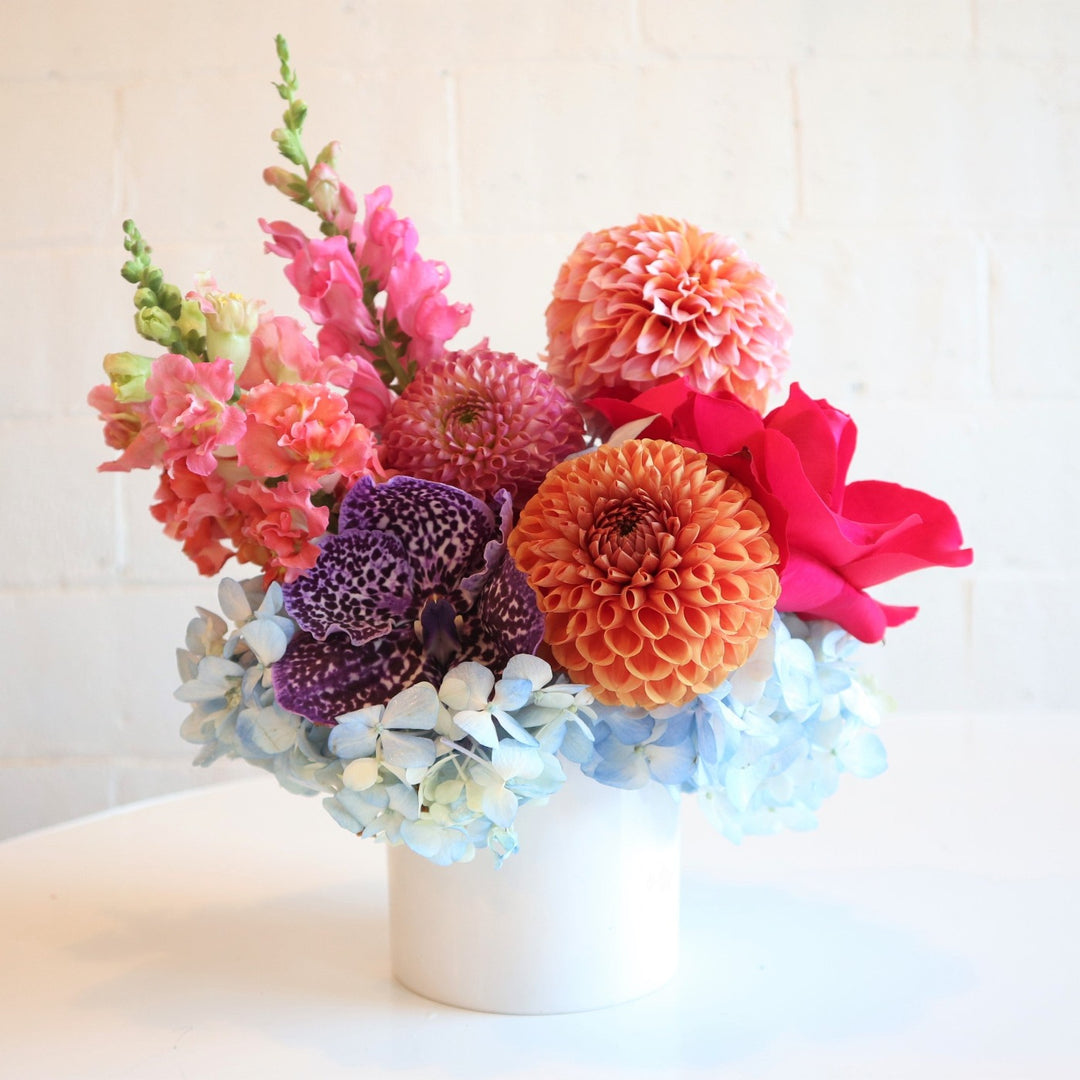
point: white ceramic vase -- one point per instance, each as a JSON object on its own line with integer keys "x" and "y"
{"x": 584, "y": 915}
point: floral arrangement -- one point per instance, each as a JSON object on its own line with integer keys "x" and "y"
{"x": 476, "y": 571}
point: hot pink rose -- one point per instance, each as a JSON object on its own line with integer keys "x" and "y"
{"x": 837, "y": 539}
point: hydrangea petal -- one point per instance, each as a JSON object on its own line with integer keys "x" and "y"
{"x": 407, "y": 751}
{"x": 360, "y": 774}
{"x": 271, "y": 730}
{"x": 500, "y": 805}
{"x": 356, "y": 734}
{"x": 415, "y": 708}
{"x": 864, "y": 755}
{"x": 266, "y": 640}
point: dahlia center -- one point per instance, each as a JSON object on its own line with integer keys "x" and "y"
{"x": 626, "y": 528}
{"x": 465, "y": 410}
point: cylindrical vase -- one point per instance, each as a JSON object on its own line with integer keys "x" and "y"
{"x": 584, "y": 915}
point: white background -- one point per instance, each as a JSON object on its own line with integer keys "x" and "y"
{"x": 906, "y": 170}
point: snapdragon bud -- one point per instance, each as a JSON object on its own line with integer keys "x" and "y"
{"x": 229, "y": 326}
{"x": 325, "y": 190}
{"x": 128, "y": 373}
{"x": 328, "y": 155}
{"x": 191, "y": 318}
{"x": 288, "y": 183}
{"x": 170, "y": 298}
{"x": 154, "y": 324}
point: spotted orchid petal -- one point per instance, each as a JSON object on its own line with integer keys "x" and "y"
{"x": 323, "y": 679}
{"x": 361, "y": 585}
{"x": 442, "y": 530}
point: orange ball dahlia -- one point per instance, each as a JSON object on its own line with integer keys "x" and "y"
{"x": 482, "y": 420}
{"x": 654, "y": 571}
{"x": 661, "y": 299}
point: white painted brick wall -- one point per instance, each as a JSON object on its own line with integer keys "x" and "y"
{"x": 907, "y": 171}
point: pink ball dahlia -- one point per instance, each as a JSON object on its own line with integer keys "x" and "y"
{"x": 481, "y": 420}
{"x": 637, "y": 305}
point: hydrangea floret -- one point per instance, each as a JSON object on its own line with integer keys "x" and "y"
{"x": 442, "y": 767}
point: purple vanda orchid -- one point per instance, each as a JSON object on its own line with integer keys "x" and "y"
{"x": 416, "y": 579}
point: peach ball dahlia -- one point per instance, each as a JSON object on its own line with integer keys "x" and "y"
{"x": 653, "y": 569}
{"x": 482, "y": 420}
{"x": 660, "y": 299}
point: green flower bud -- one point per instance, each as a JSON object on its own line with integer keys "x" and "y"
{"x": 288, "y": 183}
{"x": 145, "y": 298}
{"x": 170, "y": 298}
{"x": 191, "y": 319}
{"x": 155, "y": 279}
{"x": 155, "y": 325}
{"x": 128, "y": 373}
{"x": 328, "y": 155}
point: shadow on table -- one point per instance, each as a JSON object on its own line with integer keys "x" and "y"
{"x": 310, "y": 973}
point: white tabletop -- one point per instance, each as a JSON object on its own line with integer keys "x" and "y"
{"x": 927, "y": 929}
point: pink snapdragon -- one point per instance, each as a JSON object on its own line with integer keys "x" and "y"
{"x": 190, "y": 405}
{"x": 282, "y": 353}
{"x": 334, "y": 201}
{"x": 128, "y": 427}
{"x": 383, "y": 240}
{"x": 414, "y": 297}
{"x": 306, "y": 433}
{"x": 277, "y": 528}
{"x": 326, "y": 277}
{"x": 195, "y": 509}
{"x": 368, "y": 397}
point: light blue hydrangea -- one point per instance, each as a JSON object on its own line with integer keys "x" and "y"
{"x": 445, "y": 769}
{"x": 226, "y": 679}
{"x": 442, "y": 769}
{"x": 765, "y": 748}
